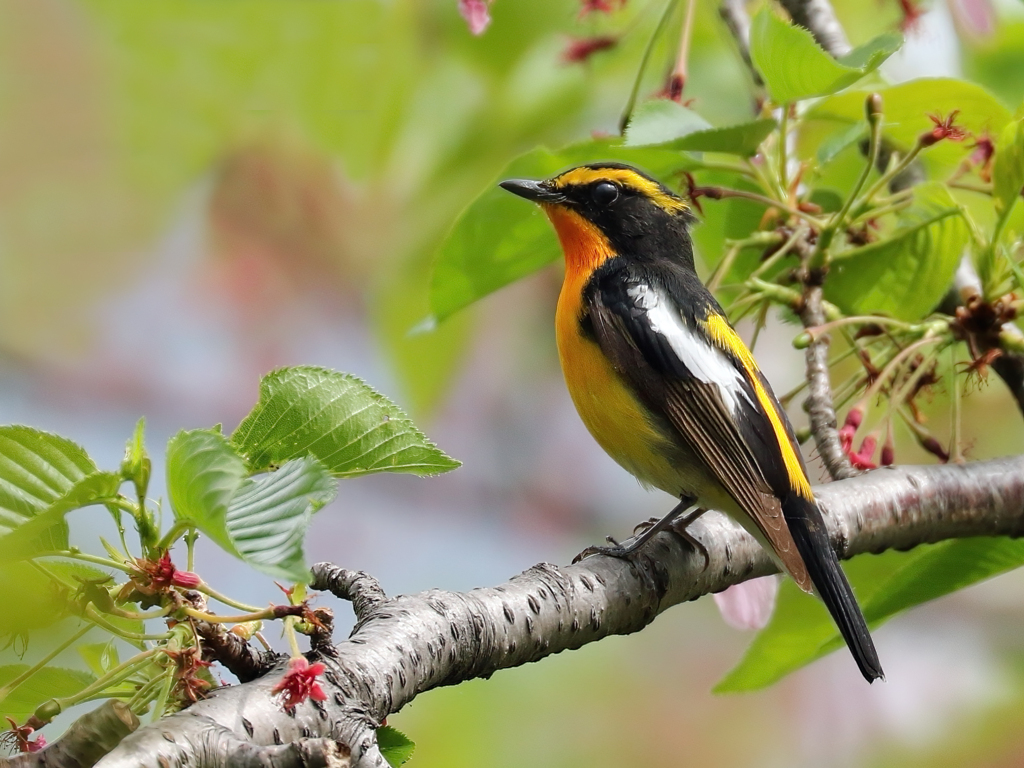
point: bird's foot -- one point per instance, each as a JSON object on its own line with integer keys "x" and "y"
{"x": 679, "y": 529}
{"x": 615, "y": 550}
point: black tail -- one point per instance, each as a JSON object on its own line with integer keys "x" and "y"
{"x": 811, "y": 537}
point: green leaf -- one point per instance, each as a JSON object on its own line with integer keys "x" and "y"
{"x": 36, "y": 470}
{"x": 48, "y": 683}
{"x": 907, "y": 107}
{"x": 137, "y": 465}
{"x": 501, "y": 238}
{"x": 351, "y": 428}
{"x": 743, "y": 139}
{"x": 794, "y": 67}
{"x": 396, "y": 747}
{"x": 47, "y": 531}
{"x": 661, "y": 120}
{"x": 268, "y": 517}
{"x": 99, "y": 657}
{"x": 1008, "y": 166}
{"x": 906, "y": 275}
{"x": 837, "y": 142}
{"x": 801, "y": 629}
{"x": 203, "y": 474}
{"x": 675, "y": 127}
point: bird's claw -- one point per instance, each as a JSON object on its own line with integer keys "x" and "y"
{"x": 616, "y": 550}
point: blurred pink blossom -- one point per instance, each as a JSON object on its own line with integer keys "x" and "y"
{"x": 748, "y": 605}
{"x": 975, "y": 17}
{"x": 476, "y": 14}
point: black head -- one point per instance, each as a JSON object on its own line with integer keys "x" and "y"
{"x": 638, "y": 215}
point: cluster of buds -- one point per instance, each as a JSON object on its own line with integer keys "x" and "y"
{"x": 154, "y": 577}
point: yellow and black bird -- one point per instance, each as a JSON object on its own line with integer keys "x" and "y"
{"x": 667, "y": 387}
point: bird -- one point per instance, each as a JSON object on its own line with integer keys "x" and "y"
{"x": 667, "y": 387}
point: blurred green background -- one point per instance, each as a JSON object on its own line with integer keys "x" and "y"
{"x": 194, "y": 192}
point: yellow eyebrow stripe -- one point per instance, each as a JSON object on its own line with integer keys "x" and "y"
{"x": 723, "y": 335}
{"x": 627, "y": 178}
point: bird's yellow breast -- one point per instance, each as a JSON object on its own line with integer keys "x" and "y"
{"x": 604, "y": 401}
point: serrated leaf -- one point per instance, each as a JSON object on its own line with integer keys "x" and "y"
{"x": 36, "y": 469}
{"x": 793, "y": 66}
{"x": 268, "y": 517}
{"x": 801, "y": 629}
{"x": 48, "y": 683}
{"x": 906, "y": 275}
{"x": 203, "y": 474}
{"x": 743, "y": 139}
{"x": 673, "y": 126}
{"x": 396, "y": 747}
{"x": 501, "y": 238}
{"x": 340, "y": 420}
{"x": 1008, "y": 166}
{"x": 47, "y": 530}
{"x": 659, "y": 121}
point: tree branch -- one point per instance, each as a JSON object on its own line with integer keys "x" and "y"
{"x": 406, "y": 645}
{"x": 737, "y": 20}
{"x": 819, "y": 404}
{"x": 819, "y": 17}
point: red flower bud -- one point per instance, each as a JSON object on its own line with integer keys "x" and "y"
{"x": 862, "y": 459}
{"x": 600, "y": 6}
{"x": 945, "y": 128}
{"x": 300, "y": 683}
{"x": 581, "y": 49}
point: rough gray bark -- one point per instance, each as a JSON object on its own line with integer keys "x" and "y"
{"x": 403, "y": 646}
{"x": 819, "y": 404}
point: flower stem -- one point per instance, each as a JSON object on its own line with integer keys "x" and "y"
{"x": 627, "y": 113}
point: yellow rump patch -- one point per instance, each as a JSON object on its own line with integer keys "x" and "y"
{"x": 723, "y": 335}
{"x": 627, "y": 178}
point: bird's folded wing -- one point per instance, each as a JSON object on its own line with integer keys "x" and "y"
{"x": 701, "y": 392}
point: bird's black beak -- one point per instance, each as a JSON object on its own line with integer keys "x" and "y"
{"x": 537, "y": 191}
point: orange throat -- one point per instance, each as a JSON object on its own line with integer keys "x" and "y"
{"x": 585, "y": 246}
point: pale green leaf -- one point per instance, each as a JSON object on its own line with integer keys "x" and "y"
{"x": 203, "y": 474}
{"x": 673, "y": 126}
{"x": 268, "y": 517}
{"x": 351, "y": 428}
{"x": 99, "y": 657}
{"x": 661, "y": 120}
{"x": 36, "y": 470}
{"x": 1008, "y": 166}
{"x": 829, "y": 149}
{"x": 906, "y": 109}
{"x": 137, "y": 465}
{"x": 48, "y": 683}
{"x": 795, "y": 67}
{"x": 906, "y": 275}
{"x": 47, "y": 530}
{"x": 743, "y": 139}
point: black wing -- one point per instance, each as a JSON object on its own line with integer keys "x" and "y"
{"x": 702, "y": 393}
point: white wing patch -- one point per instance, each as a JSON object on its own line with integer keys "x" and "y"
{"x": 706, "y": 362}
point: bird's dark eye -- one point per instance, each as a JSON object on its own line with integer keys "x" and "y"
{"x": 605, "y": 193}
